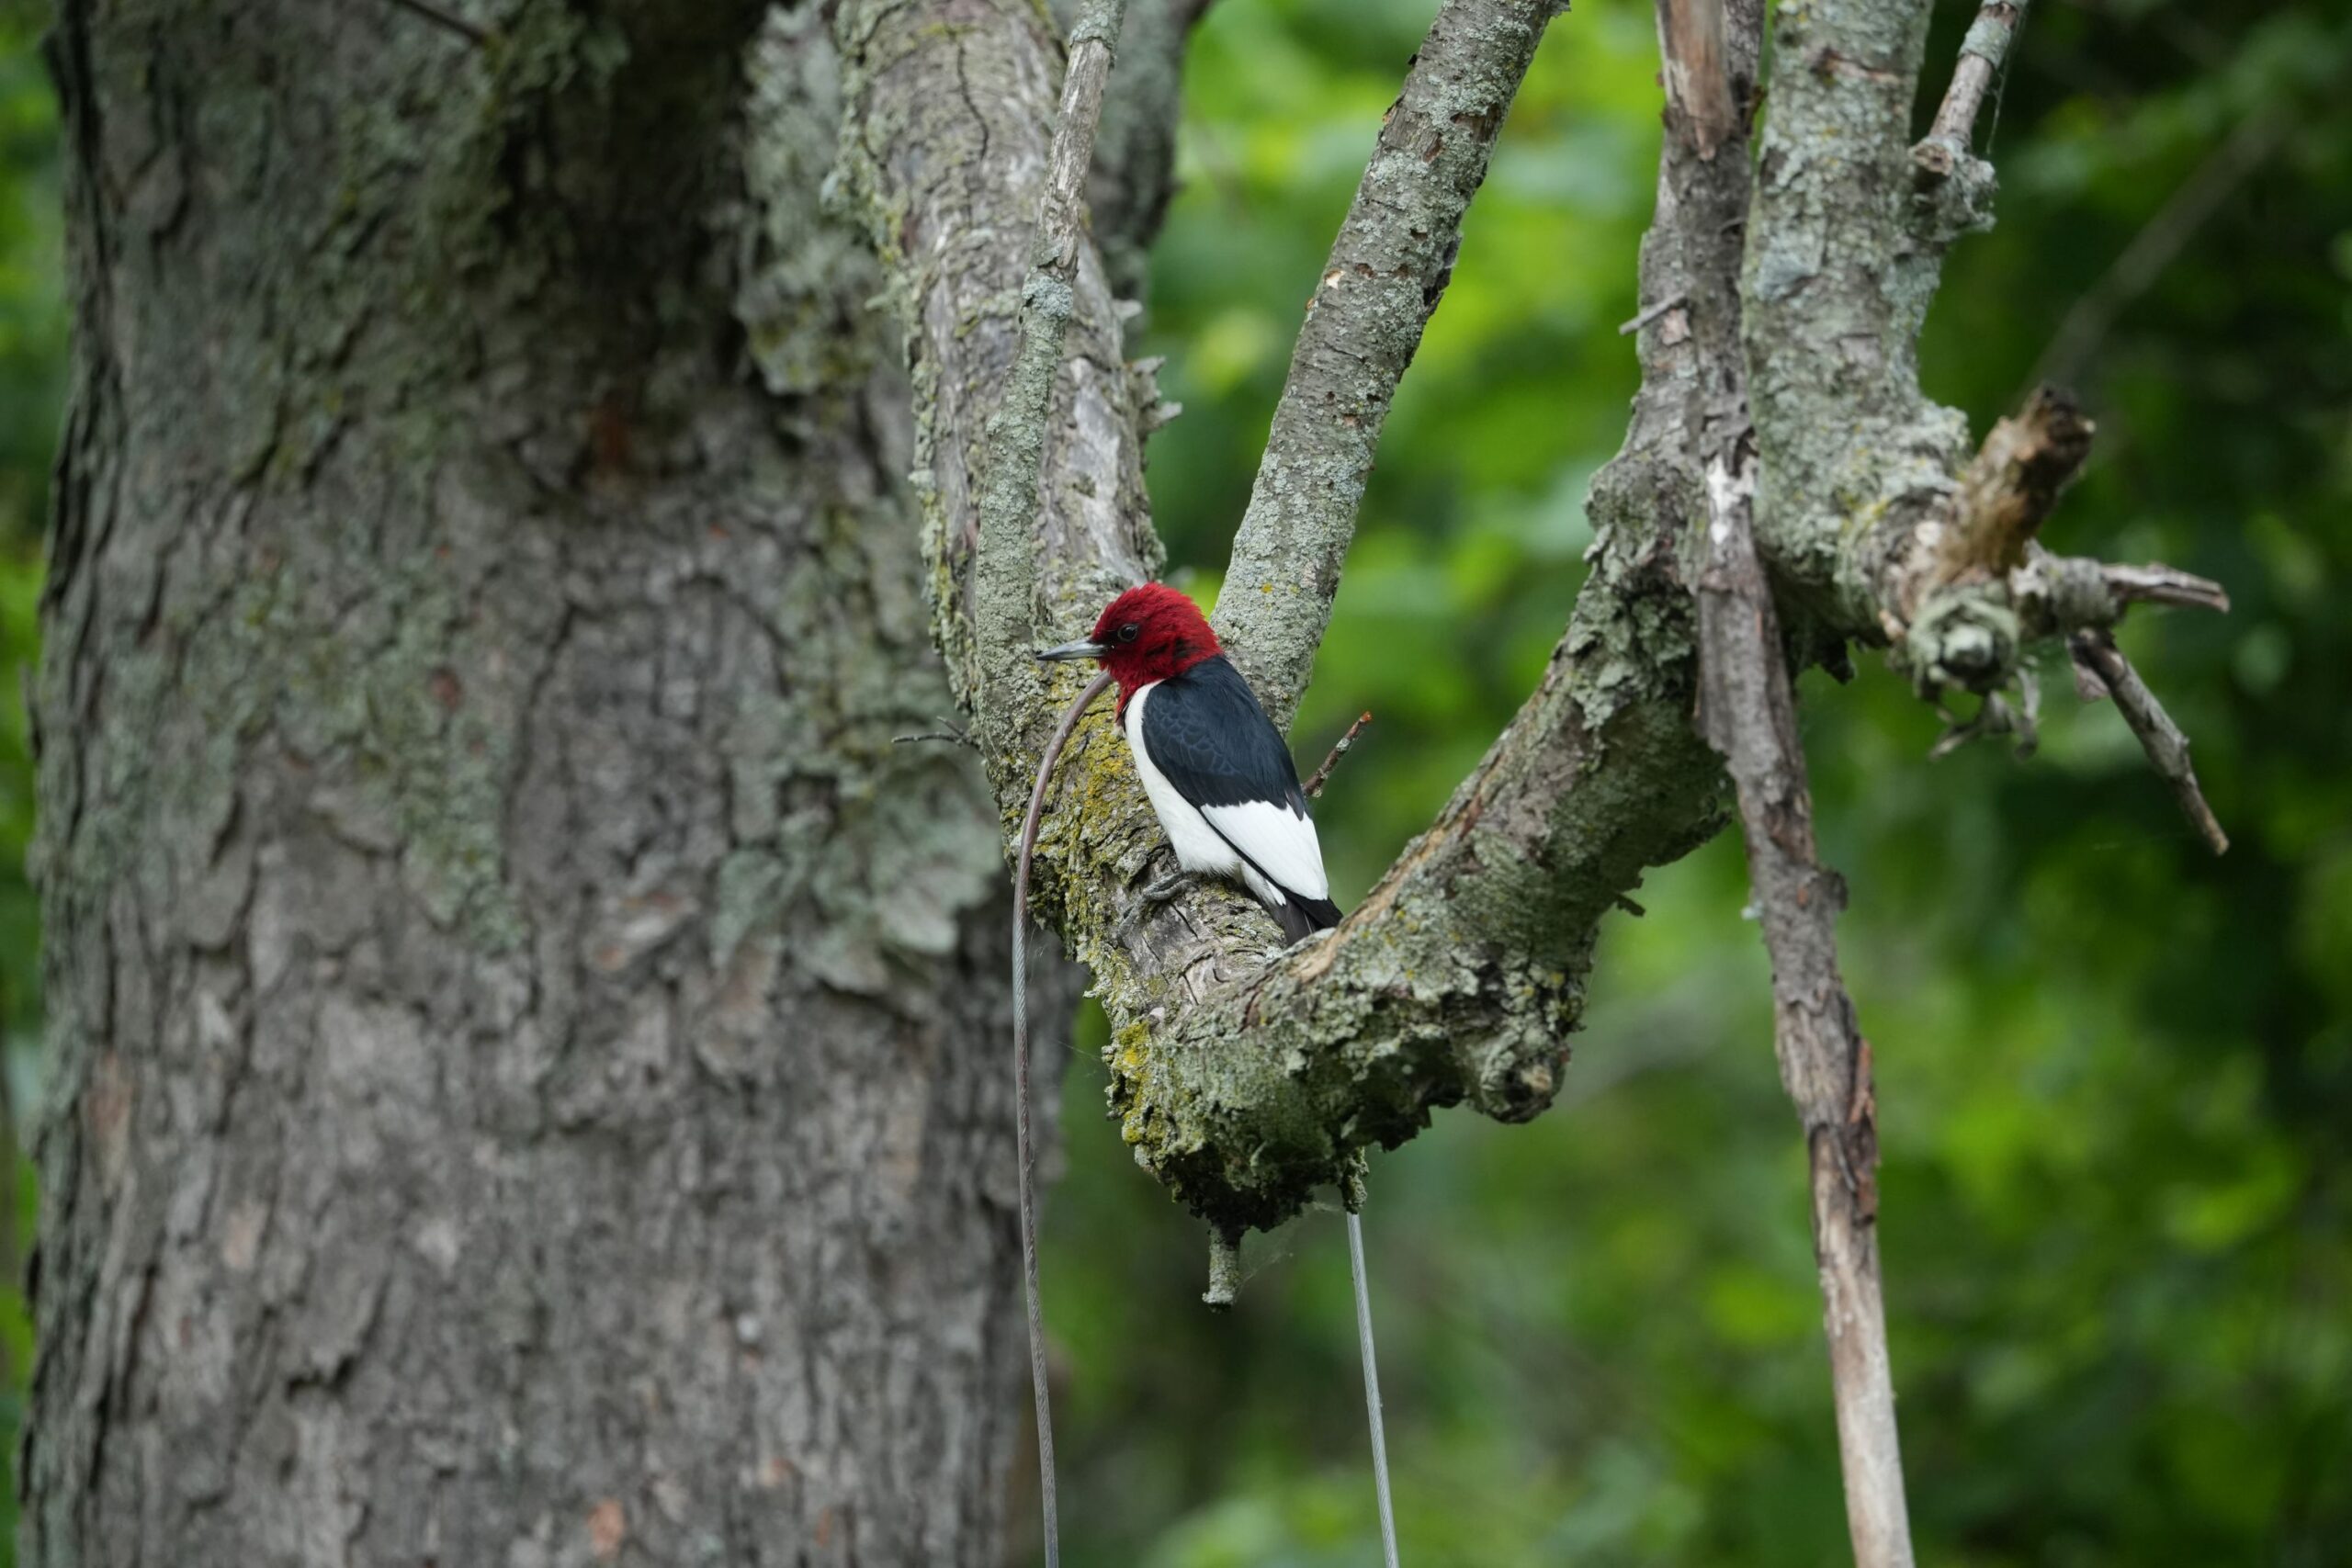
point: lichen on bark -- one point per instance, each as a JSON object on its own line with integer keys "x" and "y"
{"x": 476, "y": 866}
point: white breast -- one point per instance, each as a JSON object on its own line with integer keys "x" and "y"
{"x": 1197, "y": 845}
{"x": 1287, "y": 848}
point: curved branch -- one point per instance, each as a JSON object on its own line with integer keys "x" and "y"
{"x": 1243, "y": 1084}
{"x": 1387, "y": 272}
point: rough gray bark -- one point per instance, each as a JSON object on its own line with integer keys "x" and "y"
{"x": 1007, "y": 504}
{"x": 529, "y": 1051}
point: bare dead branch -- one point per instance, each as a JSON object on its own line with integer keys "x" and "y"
{"x": 1981, "y": 54}
{"x": 1341, "y": 748}
{"x": 2159, "y": 737}
{"x": 1747, "y": 711}
{"x": 948, "y": 731}
{"x": 2156, "y": 583}
{"x": 1698, "y": 103}
{"x": 1387, "y": 269}
{"x": 1647, "y": 314}
{"x": 2013, "y": 484}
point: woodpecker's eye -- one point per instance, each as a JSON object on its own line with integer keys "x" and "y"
{"x": 1130, "y": 632}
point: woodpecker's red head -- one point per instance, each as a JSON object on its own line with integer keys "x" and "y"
{"x": 1147, "y": 633}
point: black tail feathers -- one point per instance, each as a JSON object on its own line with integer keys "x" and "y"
{"x": 1302, "y": 918}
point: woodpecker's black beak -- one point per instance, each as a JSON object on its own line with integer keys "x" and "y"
{"x": 1082, "y": 649}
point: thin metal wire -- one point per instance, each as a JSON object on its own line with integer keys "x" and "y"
{"x": 1371, "y": 1387}
{"x": 1022, "y": 1143}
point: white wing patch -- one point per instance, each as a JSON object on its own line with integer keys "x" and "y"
{"x": 1278, "y": 841}
{"x": 1197, "y": 845}
{"x": 1275, "y": 839}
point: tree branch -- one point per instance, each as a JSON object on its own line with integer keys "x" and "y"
{"x": 947, "y": 115}
{"x": 2157, "y": 584}
{"x": 1945, "y": 146}
{"x": 1244, "y": 1077}
{"x": 2159, "y": 737}
{"x": 1005, "y": 607}
{"x": 1314, "y": 786}
{"x": 1134, "y": 151}
{"x": 1243, "y": 1083}
{"x": 2012, "y": 485}
{"x": 1748, "y": 711}
{"x": 1387, "y": 272}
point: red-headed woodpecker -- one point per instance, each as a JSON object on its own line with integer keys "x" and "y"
{"x": 1213, "y": 763}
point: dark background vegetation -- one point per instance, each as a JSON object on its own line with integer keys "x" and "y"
{"x": 2115, "y": 1074}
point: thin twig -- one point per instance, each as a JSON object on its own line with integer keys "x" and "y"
{"x": 946, "y": 731}
{"x": 1981, "y": 54}
{"x": 1023, "y": 1143}
{"x": 1322, "y": 775}
{"x": 478, "y": 37}
{"x": 1648, "y": 313}
{"x": 1357, "y": 1273}
{"x": 2159, "y": 737}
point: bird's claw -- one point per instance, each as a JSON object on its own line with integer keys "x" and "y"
{"x": 1169, "y": 886}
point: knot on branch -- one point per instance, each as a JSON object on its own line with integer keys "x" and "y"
{"x": 1962, "y": 639}
{"x": 1048, "y": 297}
{"x": 1953, "y": 192}
{"x": 1154, "y": 409}
{"x": 2056, "y": 594}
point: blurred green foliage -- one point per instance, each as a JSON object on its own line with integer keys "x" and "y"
{"x": 32, "y": 387}
{"x": 2115, "y": 1075}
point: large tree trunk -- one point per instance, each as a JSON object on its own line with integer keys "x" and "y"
{"x": 529, "y": 1049}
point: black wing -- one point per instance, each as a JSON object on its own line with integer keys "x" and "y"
{"x": 1211, "y": 740}
{"x": 1208, "y": 735}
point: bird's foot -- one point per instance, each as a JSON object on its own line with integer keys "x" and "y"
{"x": 1169, "y": 886}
